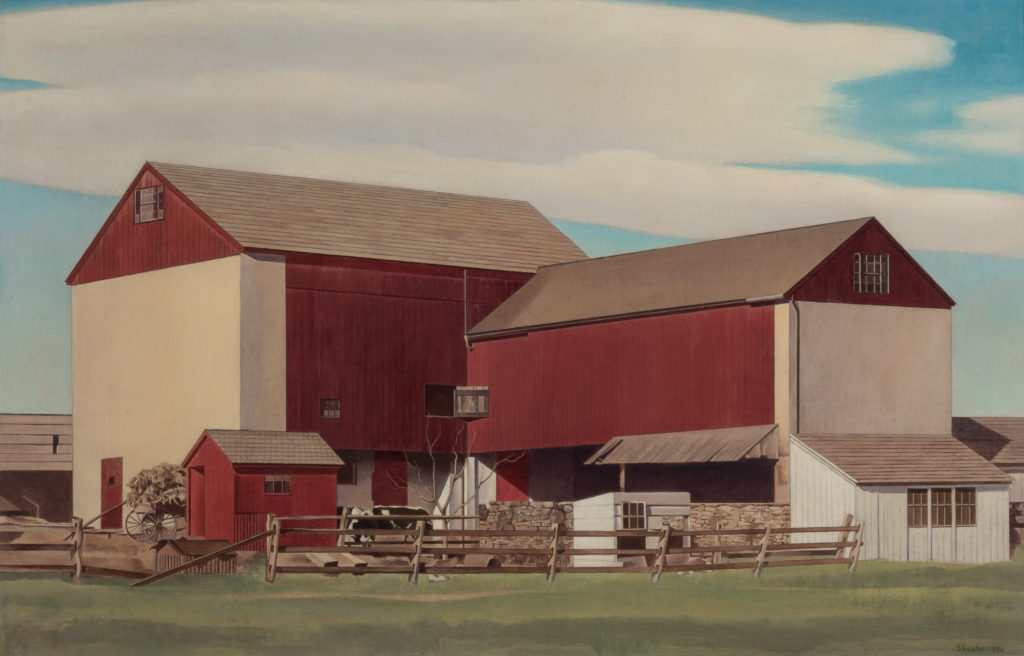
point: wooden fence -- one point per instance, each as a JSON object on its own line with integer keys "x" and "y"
{"x": 419, "y": 550}
{"x": 66, "y": 538}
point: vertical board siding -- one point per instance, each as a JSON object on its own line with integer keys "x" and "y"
{"x": 585, "y": 384}
{"x": 987, "y": 541}
{"x": 124, "y": 247}
{"x": 373, "y": 335}
{"x": 819, "y": 495}
{"x": 513, "y": 476}
{"x": 1017, "y": 487}
{"x": 247, "y": 525}
{"x": 218, "y": 495}
{"x": 908, "y": 286}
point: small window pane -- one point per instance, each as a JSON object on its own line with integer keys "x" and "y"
{"x": 634, "y": 515}
{"x": 942, "y": 507}
{"x": 917, "y": 508}
{"x": 965, "y": 506}
{"x": 330, "y": 408}
{"x": 277, "y": 484}
{"x": 149, "y": 204}
{"x": 871, "y": 273}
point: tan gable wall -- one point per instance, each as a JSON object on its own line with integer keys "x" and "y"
{"x": 155, "y": 360}
{"x": 868, "y": 368}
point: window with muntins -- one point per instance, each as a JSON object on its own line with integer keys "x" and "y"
{"x": 277, "y": 484}
{"x": 871, "y": 273}
{"x": 917, "y": 508}
{"x": 330, "y": 408}
{"x": 149, "y": 204}
{"x": 634, "y": 514}
{"x": 966, "y": 505}
{"x": 941, "y": 507}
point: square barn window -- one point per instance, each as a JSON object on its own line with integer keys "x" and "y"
{"x": 277, "y": 484}
{"x": 457, "y": 401}
{"x": 870, "y": 273}
{"x": 330, "y": 408}
{"x": 917, "y": 508}
{"x": 965, "y": 507}
{"x": 149, "y": 204}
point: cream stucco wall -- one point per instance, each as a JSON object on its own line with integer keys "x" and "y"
{"x": 157, "y": 357}
{"x": 785, "y": 397}
{"x": 263, "y": 363}
{"x": 874, "y": 369}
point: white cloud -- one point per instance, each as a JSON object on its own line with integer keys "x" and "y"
{"x": 990, "y": 126}
{"x": 625, "y": 114}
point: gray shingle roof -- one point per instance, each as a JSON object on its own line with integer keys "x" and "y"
{"x": 249, "y": 447}
{"x": 704, "y": 273}
{"x": 904, "y": 459}
{"x": 713, "y": 445}
{"x": 305, "y": 215}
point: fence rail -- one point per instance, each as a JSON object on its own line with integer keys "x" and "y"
{"x": 455, "y": 550}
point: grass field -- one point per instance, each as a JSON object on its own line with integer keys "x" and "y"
{"x": 882, "y": 608}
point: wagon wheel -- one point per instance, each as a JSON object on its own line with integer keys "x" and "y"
{"x": 134, "y": 524}
{"x": 158, "y": 526}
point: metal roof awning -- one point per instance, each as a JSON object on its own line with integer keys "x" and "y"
{"x": 712, "y": 445}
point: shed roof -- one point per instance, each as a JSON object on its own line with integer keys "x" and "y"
{"x": 904, "y": 459}
{"x": 277, "y": 212}
{"x": 997, "y": 439}
{"x": 713, "y": 445}
{"x": 705, "y": 273}
{"x": 248, "y": 447}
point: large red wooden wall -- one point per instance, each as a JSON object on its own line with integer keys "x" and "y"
{"x": 373, "y": 334}
{"x": 909, "y": 286}
{"x": 124, "y": 247}
{"x": 585, "y": 384}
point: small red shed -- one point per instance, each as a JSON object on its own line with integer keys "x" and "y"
{"x": 237, "y": 477}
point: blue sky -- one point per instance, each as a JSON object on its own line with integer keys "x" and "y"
{"x": 632, "y": 124}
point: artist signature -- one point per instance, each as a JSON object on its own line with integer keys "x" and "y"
{"x": 980, "y": 649}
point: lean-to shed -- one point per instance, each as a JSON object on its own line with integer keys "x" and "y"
{"x": 921, "y": 497}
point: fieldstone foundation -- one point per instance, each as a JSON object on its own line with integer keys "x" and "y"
{"x": 526, "y": 516}
{"x": 710, "y": 516}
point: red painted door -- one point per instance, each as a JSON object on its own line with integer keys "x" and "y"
{"x": 111, "y": 472}
{"x": 196, "y": 502}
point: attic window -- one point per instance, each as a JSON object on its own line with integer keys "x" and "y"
{"x": 149, "y": 204}
{"x": 871, "y": 273}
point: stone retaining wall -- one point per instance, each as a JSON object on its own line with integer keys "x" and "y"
{"x": 526, "y": 516}
{"x": 710, "y": 516}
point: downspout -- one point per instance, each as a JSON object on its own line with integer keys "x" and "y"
{"x": 465, "y": 309}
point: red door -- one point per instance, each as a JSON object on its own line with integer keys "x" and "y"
{"x": 111, "y": 471}
{"x": 196, "y": 498}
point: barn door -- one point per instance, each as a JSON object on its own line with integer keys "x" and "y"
{"x": 111, "y": 472}
{"x": 196, "y": 497}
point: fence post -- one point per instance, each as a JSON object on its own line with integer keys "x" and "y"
{"x": 856, "y": 547}
{"x": 659, "y": 563}
{"x": 716, "y": 556}
{"x": 764, "y": 550}
{"x": 844, "y": 535}
{"x": 77, "y": 545}
{"x": 414, "y": 575}
{"x": 273, "y": 544}
{"x": 342, "y": 525}
{"x": 553, "y": 561}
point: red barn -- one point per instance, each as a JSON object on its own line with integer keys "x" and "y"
{"x": 664, "y": 354}
{"x": 236, "y": 477}
{"x": 266, "y": 302}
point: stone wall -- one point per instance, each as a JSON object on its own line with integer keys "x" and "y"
{"x": 526, "y": 516}
{"x": 710, "y": 516}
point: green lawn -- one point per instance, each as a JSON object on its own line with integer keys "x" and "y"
{"x": 882, "y": 608}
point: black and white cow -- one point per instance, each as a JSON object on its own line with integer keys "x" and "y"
{"x": 378, "y": 519}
